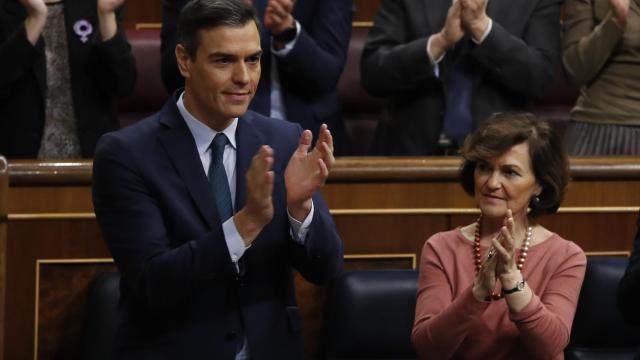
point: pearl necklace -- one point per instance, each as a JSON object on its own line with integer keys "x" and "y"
{"x": 521, "y": 258}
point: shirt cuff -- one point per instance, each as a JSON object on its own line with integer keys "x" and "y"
{"x": 434, "y": 62}
{"x": 485, "y": 34}
{"x": 299, "y": 229}
{"x": 288, "y": 46}
{"x": 234, "y": 241}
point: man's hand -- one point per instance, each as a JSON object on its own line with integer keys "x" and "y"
{"x": 36, "y": 18}
{"x": 308, "y": 171}
{"x": 277, "y": 16}
{"x": 107, "y": 17}
{"x": 474, "y": 17}
{"x": 258, "y": 210}
{"x": 620, "y": 11}
{"x": 451, "y": 32}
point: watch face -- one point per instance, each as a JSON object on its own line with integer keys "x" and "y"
{"x": 520, "y": 285}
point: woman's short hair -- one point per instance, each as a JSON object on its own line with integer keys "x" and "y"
{"x": 199, "y": 15}
{"x": 548, "y": 159}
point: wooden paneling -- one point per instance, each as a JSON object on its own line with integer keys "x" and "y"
{"x": 61, "y": 296}
{"x": 30, "y": 241}
{"x": 384, "y": 208}
{"x": 365, "y": 10}
{"x": 4, "y": 190}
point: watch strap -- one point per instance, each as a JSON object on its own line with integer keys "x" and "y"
{"x": 519, "y": 287}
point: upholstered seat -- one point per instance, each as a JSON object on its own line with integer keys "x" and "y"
{"x": 599, "y": 331}
{"x": 369, "y": 315}
{"x": 149, "y": 93}
{"x": 102, "y": 317}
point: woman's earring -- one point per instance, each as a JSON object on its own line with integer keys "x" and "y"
{"x": 535, "y": 201}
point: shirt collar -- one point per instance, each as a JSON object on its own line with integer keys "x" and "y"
{"x": 203, "y": 134}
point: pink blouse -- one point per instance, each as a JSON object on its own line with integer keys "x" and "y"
{"x": 451, "y": 323}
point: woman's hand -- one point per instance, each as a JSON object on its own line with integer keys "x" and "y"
{"x": 107, "y": 17}
{"x": 108, "y": 6}
{"x": 36, "y": 18}
{"x": 505, "y": 245}
{"x": 485, "y": 280}
{"x": 620, "y": 11}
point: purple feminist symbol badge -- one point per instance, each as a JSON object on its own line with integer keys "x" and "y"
{"x": 83, "y": 29}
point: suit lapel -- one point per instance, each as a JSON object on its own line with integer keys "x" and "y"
{"x": 181, "y": 149}
{"x": 248, "y": 141}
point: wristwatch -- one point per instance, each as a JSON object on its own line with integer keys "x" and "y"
{"x": 287, "y": 34}
{"x": 519, "y": 287}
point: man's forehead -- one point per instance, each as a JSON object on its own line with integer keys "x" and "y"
{"x": 231, "y": 39}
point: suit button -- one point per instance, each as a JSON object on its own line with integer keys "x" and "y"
{"x": 231, "y": 335}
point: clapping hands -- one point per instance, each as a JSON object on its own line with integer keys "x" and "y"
{"x": 308, "y": 171}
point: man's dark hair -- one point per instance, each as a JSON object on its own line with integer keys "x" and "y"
{"x": 207, "y": 14}
{"x": 548, "y": 158}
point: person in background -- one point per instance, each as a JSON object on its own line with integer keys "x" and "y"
{"x": 304, "y": 44}
{"x": 445, "y": 66}
{"x": 629, "y": 288}
{"x": 63, "y": 64}
{"x": 502, "y": 287}
{"x": 601, "y": 54}
{"x": 207, "y": 207}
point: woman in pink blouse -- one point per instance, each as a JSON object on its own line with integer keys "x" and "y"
{"x": 503, "y": 287}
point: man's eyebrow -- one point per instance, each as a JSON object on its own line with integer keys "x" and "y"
{"x": 217, "y": 55}
{"x": 257, "y": 53}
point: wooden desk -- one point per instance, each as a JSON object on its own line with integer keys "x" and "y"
{"x": 384, "y": 208}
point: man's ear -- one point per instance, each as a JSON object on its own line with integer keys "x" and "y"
{"x": 184, "y": 61}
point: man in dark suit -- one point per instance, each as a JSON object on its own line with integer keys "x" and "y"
{"x": 629, "y": 290}
{"x": 206, "y": 207}
{"x": 304, "y": 46}
{"x": 445, "y": 66}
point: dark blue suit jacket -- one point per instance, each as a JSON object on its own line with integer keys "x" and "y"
{"x": 309, "y": 74}
{"x": 181, "y": 296}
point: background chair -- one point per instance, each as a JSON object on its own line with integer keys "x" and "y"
{"x": 599, "y": 331}
{"x": 149, "y": 93}
{"x": 369, "y": 315}
{"x": 102, "y": 317}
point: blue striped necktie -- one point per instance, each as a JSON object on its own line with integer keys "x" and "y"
{"x": 218, "y": 178}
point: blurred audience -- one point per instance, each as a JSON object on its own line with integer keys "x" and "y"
{"x": 446, "y": 66}
{"x": 502, "y": 287}
{"x": 601, "y": 54}
{"x": 62, "y": 66}
{"x": 304, "y": 45}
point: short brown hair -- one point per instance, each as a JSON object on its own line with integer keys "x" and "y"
{"x": 199, "y": 15}
{"x": 548, "y": 158}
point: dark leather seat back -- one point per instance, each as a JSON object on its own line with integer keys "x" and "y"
{"x": 102, "y": 317}
{"x": 599, "y": 331}
{"x": 149, "y": 93}
{"x": 369, "y": 315}
{"x": 360, "y": 111}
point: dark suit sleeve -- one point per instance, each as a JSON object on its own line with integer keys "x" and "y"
{"x": 168, "y": 65}
{"x": 629, "y": 290}
{"x": 160, "y": 276}
{"x": 320, "y": 259}
{"x": 316, "y": 61}
{"x": 17, "y": 57}
{"x": 525, "y": 65}
{"x": 114, "y": 63}
{"x": 392, "y": 62}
